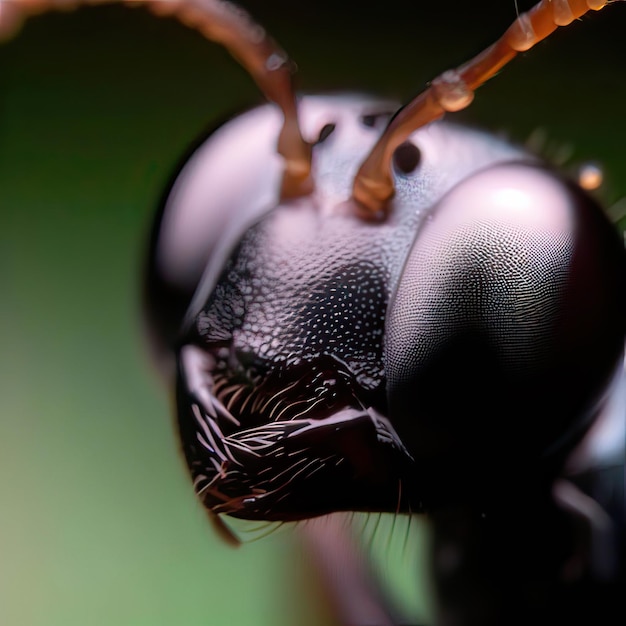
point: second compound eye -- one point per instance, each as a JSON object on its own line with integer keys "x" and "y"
{"x": 406, "y": 158}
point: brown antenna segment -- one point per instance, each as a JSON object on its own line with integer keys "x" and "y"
{"x": 247, "y": 41}
{"x": 454, "y": 90}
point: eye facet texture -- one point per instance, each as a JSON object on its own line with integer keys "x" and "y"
{"x": 505, "y": 328}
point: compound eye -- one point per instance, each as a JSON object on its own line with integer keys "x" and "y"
{"x": 506, "y": 325}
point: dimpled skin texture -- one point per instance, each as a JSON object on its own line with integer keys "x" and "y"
{"x": 285, "y": 311}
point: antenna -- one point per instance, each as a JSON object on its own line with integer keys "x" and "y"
{"x": 454, "y": 90}
{"x": 247, "y": 41}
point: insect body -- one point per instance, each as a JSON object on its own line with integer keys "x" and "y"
{"x": 303, "y": 304}
{"x": 446, "y": 358}
{"x": 386, "y": 313}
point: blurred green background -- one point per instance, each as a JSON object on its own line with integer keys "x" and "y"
{"x": 98, "y": 524}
